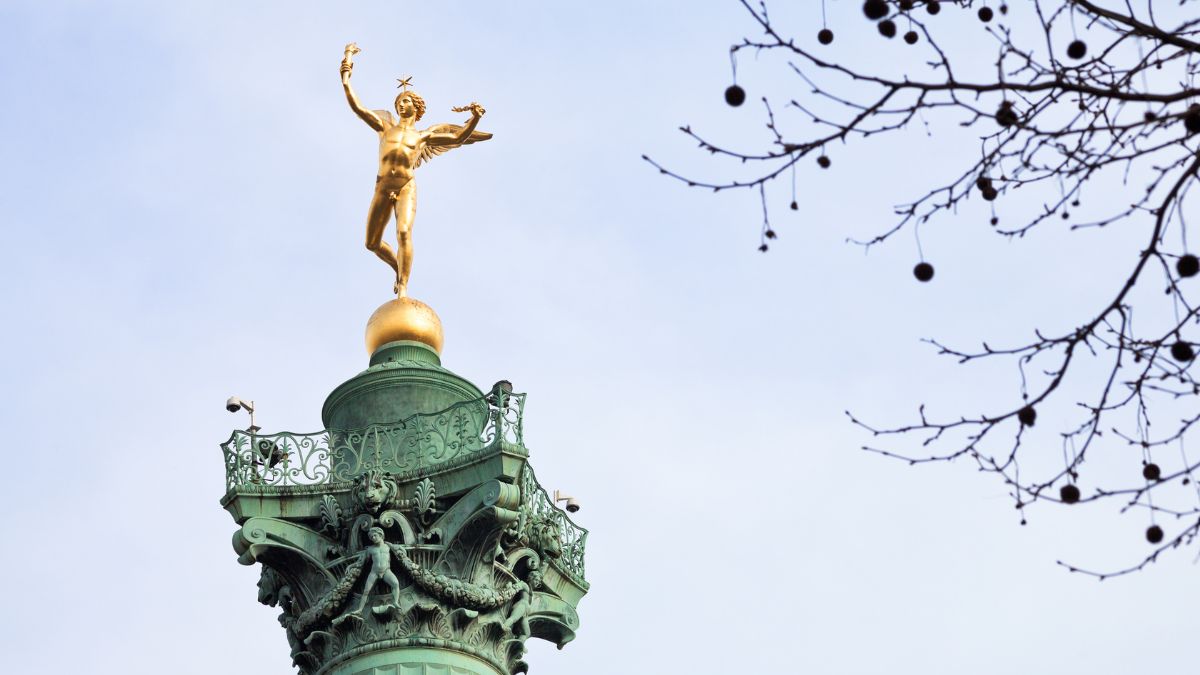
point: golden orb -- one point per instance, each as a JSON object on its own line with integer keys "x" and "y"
{"x": 404, "y": 319}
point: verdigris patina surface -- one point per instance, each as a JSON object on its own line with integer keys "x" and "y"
{"x": 429, "y": 533}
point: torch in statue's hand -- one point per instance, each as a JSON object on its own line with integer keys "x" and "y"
{"x": 348, "y": 59}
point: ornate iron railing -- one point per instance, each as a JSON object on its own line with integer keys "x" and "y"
{"x": 572, "y": 538}
{"x": 334, "y": 455}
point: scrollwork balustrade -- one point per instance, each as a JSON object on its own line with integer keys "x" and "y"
{"x": 286, "y": 458}
{"x": 572, "y": 538}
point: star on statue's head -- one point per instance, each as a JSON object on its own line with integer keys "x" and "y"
{"x": 404, "y": 83}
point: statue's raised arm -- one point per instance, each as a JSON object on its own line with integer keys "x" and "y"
{"x": 452, "y": 134}
{"x": 347, "y": 68}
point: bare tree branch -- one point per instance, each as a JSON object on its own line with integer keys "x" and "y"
{"x": 1116, "y": 113}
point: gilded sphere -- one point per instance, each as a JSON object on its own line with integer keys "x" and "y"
{"x": 404, "y": 319}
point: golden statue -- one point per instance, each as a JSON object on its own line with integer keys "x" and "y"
{"x": 403, "y": 148}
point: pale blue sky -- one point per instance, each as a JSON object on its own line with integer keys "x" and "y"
{"x": 182, "y": 198}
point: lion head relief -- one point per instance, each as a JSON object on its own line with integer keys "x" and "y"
{"x": 376, "y": 491}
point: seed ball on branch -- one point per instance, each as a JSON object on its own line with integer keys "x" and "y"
{"x": 825, "y": 36}
{"x": 906, "y": 5}
{"x": 983, "y": 182}
{"x": 989, "y": 193}
{"x": 1069, "y": 494}
{"x": 1154, "y": 534}
{"x": 1182, "y": 351}
{"x": 933, "y": 6}
{"x": 986, "y": 14}
{"x": 795, "y": 206}
{"x": 1149, "y": 116}
{"x": 1006, "y": 116}
{"x": 735, "y": 95}
{"x": 911, "y": 37}
{"x": 824, "y": 162}
{"x": 1151, "y": 471}
{"x": 1027, "y": 416}
{"x": 1188, "y": 265}
{"x": 1077, "y": 49}
{"x": 875, "y": 9}
{"x": 887, "y": 28}
{"x": 923, "y": 272}
{"x": 1191, "y": 119}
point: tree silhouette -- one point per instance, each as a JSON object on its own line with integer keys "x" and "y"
{"x": 1082, "y": 97}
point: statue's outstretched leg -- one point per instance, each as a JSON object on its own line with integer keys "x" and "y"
{"x": 405, "y": 203}
{"x": 377, "y": 219}
{"x": 392, "y": 581}
{"x": 366, "y": 592}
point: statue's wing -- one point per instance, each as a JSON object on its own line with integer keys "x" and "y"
{"x": 430, "y": 151}
{"x": 385, "y": 116}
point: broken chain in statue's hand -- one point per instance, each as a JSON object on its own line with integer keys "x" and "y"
{"x": 476, "y": 109}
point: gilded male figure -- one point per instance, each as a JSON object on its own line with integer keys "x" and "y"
{"x": 402, "y": 148}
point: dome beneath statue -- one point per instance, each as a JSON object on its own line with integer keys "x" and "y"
{"x": 404, "y": 319}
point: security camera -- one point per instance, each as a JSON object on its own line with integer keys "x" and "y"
{"x": 235, "y": 404}
{"x": 572, "y": 503}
